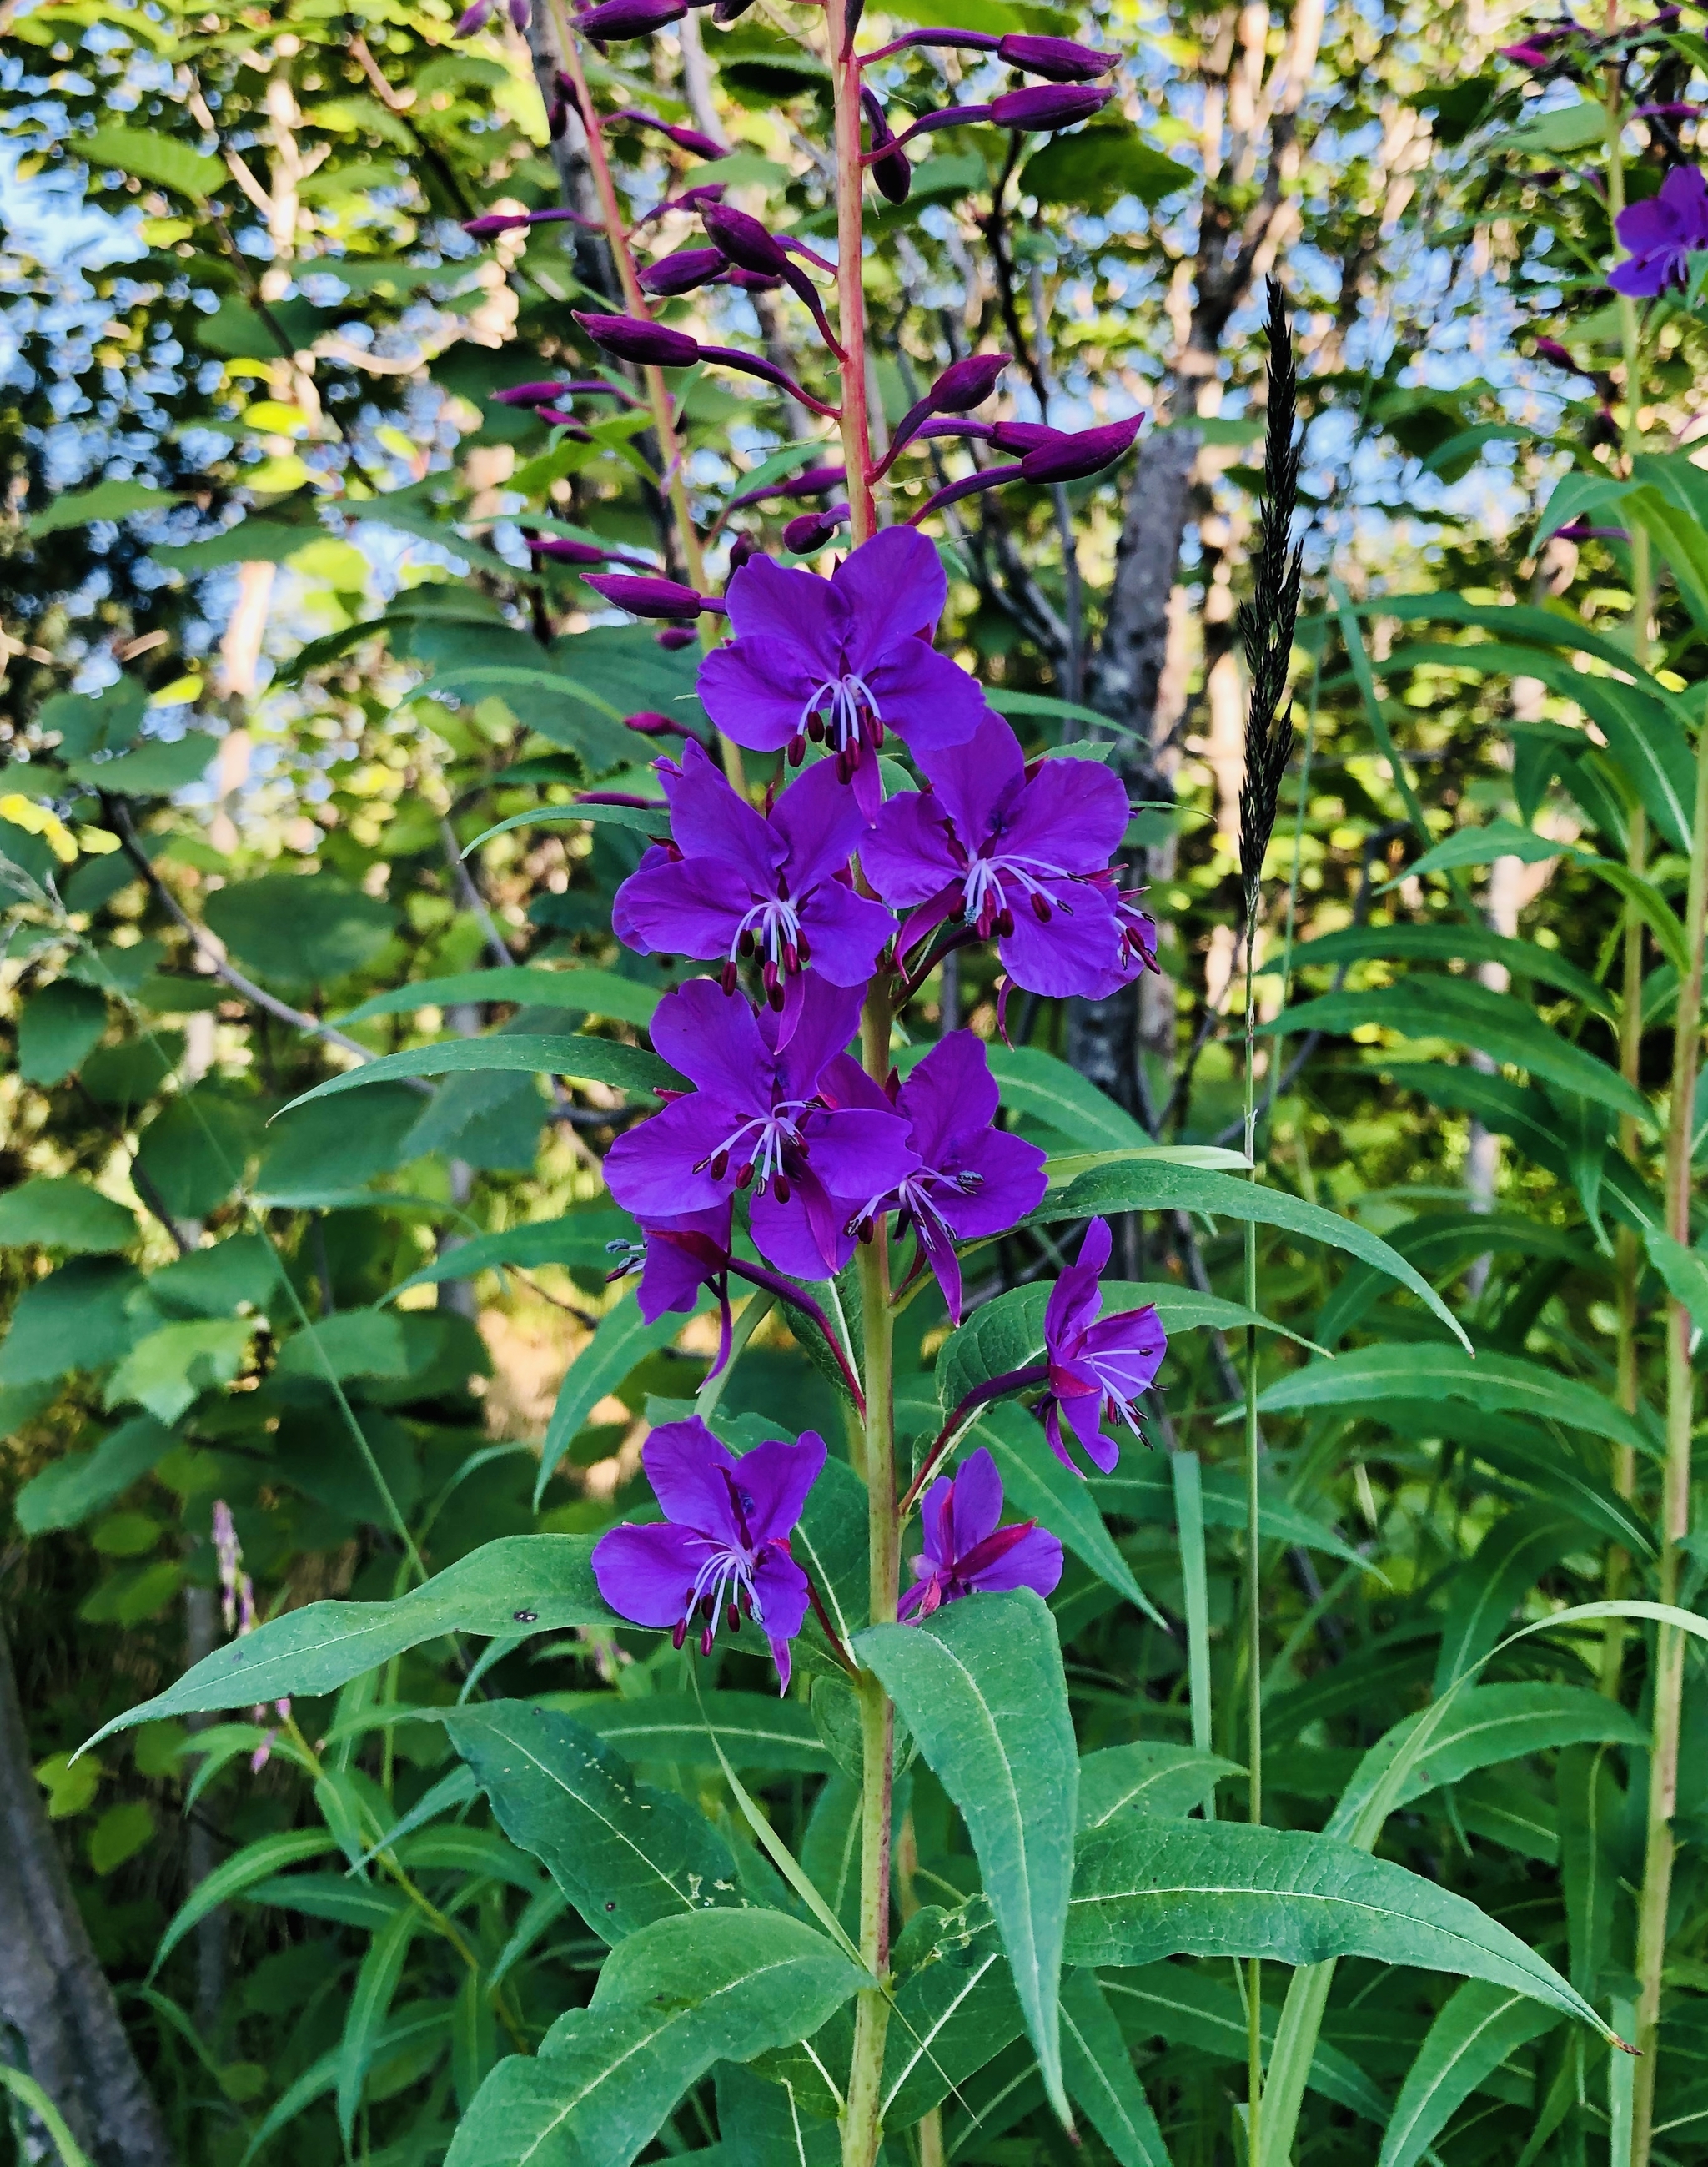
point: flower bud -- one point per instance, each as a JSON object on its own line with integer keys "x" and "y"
{"x": 632, "y": 338}
{"x": 529, "y": 394}
{"x": 647, "y": 597}
{"x": 1083, "y": 452}
{"x": 629, "y": 18}
{"x": 684, "y": 270}
{"x": 563, "y": 551}
{"x": 812, "y": 529}
{"x": 473, "y": 19}
{"x": 744, "y": 240}
{"x": 686, "y": 138}
{"x": 966, "y": 384}
{"x": 675, "y": 637}
{"x": 505, "y": 221}
{"x": 892, "y": 172}
{"x": 1058, "y": 58}
{"x": 1044, "y": 106}
{"x": 1023, "y": 436}
{"x": 752, "y": 282}
{"x": 741, "y": 550}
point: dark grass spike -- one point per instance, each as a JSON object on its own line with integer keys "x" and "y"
{"x": 1267, "y": 621}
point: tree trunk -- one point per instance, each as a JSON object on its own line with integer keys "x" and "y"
{"x": 54, "y": 1997}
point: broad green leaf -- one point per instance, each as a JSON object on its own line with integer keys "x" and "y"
{"x": 761, "y": 2124}
{"x": 1485, "y": 1725}
{"x": 370, "y": 2005}
{"x": 580, "y": 1238}
{"x": 1684, "y": 1271}
{"x": 267, "y": 1855}
{"x": 1185, "y": 2006}
{"x": 1140, "y": 1187}
{"x": 541, "y": 1582}
{"x": 77, "y": 507}
{"x": 1469, "y": 2040}
{"x": 1145, "y": 1888}
{"x": 1468, "y": 1014}
{"x": 622, "y": 1341}
{"x": 623, "y": 1853}
{"x": 1493, "y": 1382}
{"x": 1447, "y": 944}
{"x": 672, "y": 2001}
{"x": 590, "y": 1060}
{"x": 980, "y": 1686}
{"x": 756, "y": 1731}
{"x": 1681, "y": 540}
{"x": 55, "y": 1211}
{"x": 150, "y": 155}
{"x": 300, "y": 932}
{"x": 1148, "y": 1778}
{"x": 56, "y": 1027}
{"x": 953, "y": 2011}
{"x": 154, "y": 768}
{"x": 1039, "y": 1486}
{"x": 167, "y": 1371}
{"x": 350, "y": 1342}
{"x": 72, "y": 1489}
{"x": 1100, "y": 2075}
{"x": 1510, "y": 1558}
{"x": 1037, "y": 1084}
{"x": 589, "y": 991}
{"x": 1094, "y": 168}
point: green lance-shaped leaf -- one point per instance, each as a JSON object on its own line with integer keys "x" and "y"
{"x": 622, "y": 1341}
{"x": 953, "y": 2011}
{"x": 1145, "y": 1888}
{"x": 543, "y": 1582}
{"x": 671, "y": 2001}
{"x": 1684, "y": 1273}
{"x": 1468, "y": 1014}
{"x": 534, "y": 1053}
{"x": 257, "y": 1861}
{"x": 1045, "y": 1090}
{"x": 1511, "y": 1558}
{"x": 1146, "y": 1778}
{"x": 1146, "y": 1487}
{"x": 1446, "y": 944}
{"x": 370, "y": 2005}
{"x": 1140, "y": 1185}
{"x": 151, "y": 155}
{"x": 980, "y": 1683}
{"x": 589, "y": 990}
{"x": 756, "y": 1731}
{"x": 623, "y": 1853}
{"x": 765, "y": 2125}
{"x": 1101, "y": 2078}
{"x": 1496, "y": 1383}
{"x": 1470, "y": 2039}
{"x": 580, "y": 1238}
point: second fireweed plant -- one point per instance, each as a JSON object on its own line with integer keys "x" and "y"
{"x": 859, "y": 814}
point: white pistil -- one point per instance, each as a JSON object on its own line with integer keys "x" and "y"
{"x": 843, "y": 699}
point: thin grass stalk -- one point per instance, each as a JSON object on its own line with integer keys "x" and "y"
{"x": 1675, "y": 1511}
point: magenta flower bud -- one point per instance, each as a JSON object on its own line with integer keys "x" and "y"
{"x": 1526, "y": 56}
{"x": 816, "y": 481}
{"x": 1058, "y": 59}
{"x": 686, "y": 138}
{"x": 744, "y": 240}
{"x": 473, "y": 19}
{"x": 1023, "y": 435}
{"x": 503, "y": 221}
{"x": 752, "y": 282}
{"x": 1044, "y": 106}
{"x": 1084, "y": 452}
{"x": 632, "y": 338}
{"x": 530, "y": 394}
{"x": 520, "y": 14}
{"x": 684, "y": 270}
{"x": 890, "y": 167}
{"x": 966, "y": 384}
{"x": 741, "y": 550}
{"x": 812, "y": 529}
{"x": 675, "y": 637}
{"x": 614, "y": 19}
{"x": 649, "y": 596}
{"x": 563, "y": 551}
{"x": 652, "y": 724}
{"x": 691, "y": 200}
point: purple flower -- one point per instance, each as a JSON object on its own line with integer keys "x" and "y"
{"x": 677, "y": 1257}
{"x": 629, "y": 18}
{"x": 753, "y": 249}
{"x": 1058, "y": 58}
{"x": 1013, "y": 857}
{"x": 973, "y": 1180}
{"x": 756, "y": 1118}
{"x": 724, "y": 1541}
{"x": 843, "y": 659}
{"x": 1661, "y": 233}
{"x": 1098, "y": 1366}
{"x": 652, "y": 597}
{"x": 738, "y": 882}
{"x": 966, "y": 1553}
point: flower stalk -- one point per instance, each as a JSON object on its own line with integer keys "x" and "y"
{"x": 841, "y": 21}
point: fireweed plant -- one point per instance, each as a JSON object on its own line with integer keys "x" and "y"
{"x": 797, "y": 1151}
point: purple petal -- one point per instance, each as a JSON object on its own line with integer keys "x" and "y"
{"x": 861, "y": 1155}
{"x": 1014, "y": 1182}
{"x": 921, "y": 695}
{"x": 1085, "y": 1412}
{"x": 844, "y": 1083}
{"x": 935, "y": 1526}
{"x": 907, "y": 856}
{"x": 819, "y": 824}
{"x": 937, "y": 1248}
{"x": 976, "y": 779}
{"x": 1075, "y": 1298}
{"x": 777, "y": 1476}
{"x": 1685, "y": 192}
{"x": 689, "y": 1470}
{"x": 650, "y": 1170}
{"x": 647, "y": 1574}
{"x": 1072, "y": 813}
{"x": 784, "y": 1235}
{"x": 830, "y": 1015}
{"x": 712, "y": 1037}
{"x": 1074, "y": 951}
{"x": 677, "y": 1268}
{"x": 977, "y": 1506}
{"x": 687, "y": 907}
{"x": 950, "y": 1096}
{"x": 890, "y": 586}
{"x": 791, "y": 610}
{"x": 780, "y": 1594}
{"x": 709, "y": 819}
{"x": 1035, "y": 1561}
{"x": 1126, "y": 1350}
{"x": 845, "y": 933}
{"x": 755, "y": 690}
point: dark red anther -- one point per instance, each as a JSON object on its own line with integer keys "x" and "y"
{"x": 705, "y": 1639}
{"x": 1005, "y": 923}
{"x": 680, "y": 1633}
{"x": 876, "y": 729}
{"x": 745, "y": 1176}
{"x": 798, "y": 749}
{"x": 775, "y": 994}
{"x": 1040, "y": 910}
{"x": 844, "y": 766}
{"x": 803, "y": 952}
{"x": 815, "y": 727}
{"x": 735, "y": 1619}
{"x": 791, "y": 957}
{"x": 720, "y": 1165}
{"x": 780, "y": 1183}
{"x": 726, "y": 976}
{"x": 746, "y": 942}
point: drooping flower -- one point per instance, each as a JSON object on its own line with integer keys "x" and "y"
{"x": 756, "y": 1120}
{"x": 735, "y": 882}
{"x": 1013, "y": 857}
{"x": 1098, "y": 1365}
{"x": 679, "y": 1256}
{"x": 843, "y": 659}
{"x": 1661, "y": 235}
{"x": 974, "y": 1180}
{"x": 724, "y": 1543}
{"x": 966, "y": 1553}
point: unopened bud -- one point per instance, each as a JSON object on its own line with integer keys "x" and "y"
{"x": 632, "y": 338}
{"x": 813, "y": 530}
{"x": 629, "y": 18}
{"x": 644, "y": 596}
{"x": 1083, "y": 452}
{"x": 1059, "y": 59}
{"x": 684, "y": 270}
{"x": 1041, "y": 106}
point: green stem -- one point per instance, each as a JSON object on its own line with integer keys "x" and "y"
{"x": 1254, "y": 1586}
{"x": 1675, "y": 1511}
